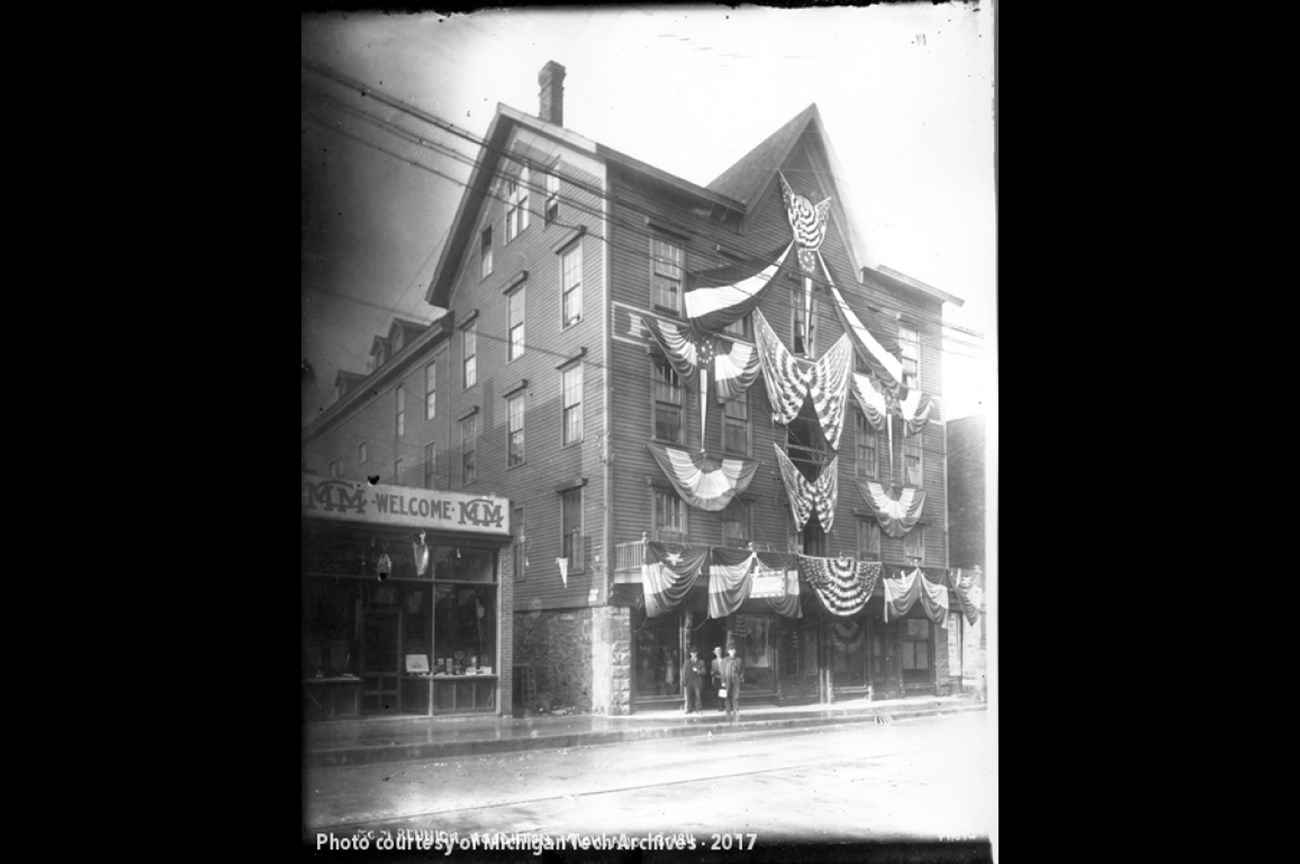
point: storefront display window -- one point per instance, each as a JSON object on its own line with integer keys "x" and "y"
{"x": 658, "y": 656}
{"x": 329, "y": 628}
{"x": 752, "y": 636}
{"x": 464, "y": 629}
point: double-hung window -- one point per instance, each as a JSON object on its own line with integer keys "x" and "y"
{"x": 552, "y": 197}
{"x": 361, "y": 453}
{"x": 866, "y": 462}
{"x": 468, "y": 449}
{"x": 735, "y": 425}
{"x": 515, "y": 454}
{"x": 336, "y": 467}
{"x": 667, "y": 403}
{"x": 912, "y": 460}
{"x": 735, "y": 524}
{"x": 669, "y": 516}
{"x": 400, "y": 422}
{"x": 667, "y": 263}
{"x": 805, "y": 341}
{"x": 571, "y": 403}
{"x": 571, "y": 528}
{"x": 430, "y": 464}
{"x": 914, "y": 545}
{"x": 399, "y": 466}
{"x": 868, "y": 538}
{"x": 571, "y": 284}
{"x": 485, "y": 253}
{"x": 469, "y": 354}
{"x": 431, "y": 390}
{"x": 516, "y": 205}
{"x": 515, "y": 324}
{"x": 909, "y": 343}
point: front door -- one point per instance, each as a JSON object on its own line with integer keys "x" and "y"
{"x": 799, "y": 679}
{"x": 380, "y": 666}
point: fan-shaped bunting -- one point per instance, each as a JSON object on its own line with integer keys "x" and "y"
{"x": 842, "y": 584}
{"x": 895, "y": 516}
{"x": 701, "y": 480}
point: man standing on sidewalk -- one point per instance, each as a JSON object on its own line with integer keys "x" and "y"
{"x": 692, "y": 678}
{"x": 716, "y": 669}
{"x": 732, "y": 672}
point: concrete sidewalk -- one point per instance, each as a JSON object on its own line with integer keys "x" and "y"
{"x": 388, "y": 739}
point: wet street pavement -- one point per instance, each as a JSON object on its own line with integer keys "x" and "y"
{"x": 926, "y": 777}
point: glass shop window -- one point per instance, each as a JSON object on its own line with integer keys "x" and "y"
{"x": 753, "y": 637}
{"x": 329, "y": 637}
{"x": 658, "y": 656}
{"x": 464, "y": 629}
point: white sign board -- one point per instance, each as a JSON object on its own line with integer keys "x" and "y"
{"x": 431, "y": 509}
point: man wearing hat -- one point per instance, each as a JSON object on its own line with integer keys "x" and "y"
{"x": 692, "y": 678}
{"x": 732, "y": 671}
{"x": 716, "y": 669}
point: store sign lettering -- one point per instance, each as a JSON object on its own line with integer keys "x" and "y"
{"x": 341, "y": 499}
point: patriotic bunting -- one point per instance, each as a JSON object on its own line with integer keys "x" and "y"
{"x": 896, "y": 516}
{"x": 902, "y": 593}
{"x": 791, "y": 379}
{"x": 806, "y": 497}
{"x": 888, "y": 367}
{"x": 914, "y": 407}
{"x": 964, "y": 585}
{"x": 734, "y": 370}
{"x": 842, "y": 584}
{"x": 701, "y": 480}
{"x": 669, "y": 573}
{"x": 735, "y": 366}
{"x": 718, "y": 297}
{"x": 870, "y": 401}
{"x": 807, "y": 221}
{"x": 787, "y": 605}
{"x": 730, "y": 579}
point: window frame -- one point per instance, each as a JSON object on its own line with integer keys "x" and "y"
{"x": 517, "y": 220}
{"x": 569, "y": 410}
{"x": 399, "y": 419}
{"x": 515, "y": 405}
{"x": 568, "y": 317}
{"x": 868, "y": 536}
{"x": 808, "y": 351}
{"x": 657, "y": 406}
{"x": 552, "y": 207}
{"x": 568, "y": 548}
{"x": 399, "y": 464}
{"x": 430, "y": 465}
{"x": 911, "y": 340}
{"x": 863, "y": 428}
{"x": 520, "y": 538}
{"x": 431, "y": 390}
{"x": 516, "y": 295}
{"x": 729, "y": 423}
{"x": 485, "y": 252}
{"x": 469, "y": 361}
{"x": 469, "y": 450}
{"x": 660, "y": 530}
{"x": 912, "y": 447}
{"x": 914, "y": 540}
{"x": 361, "y": 453}
{"x": 737, "y": 505}
{"x": 668, "y": 262}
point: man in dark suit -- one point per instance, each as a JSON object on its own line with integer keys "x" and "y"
{"x": 732, "y": 671}
{"x": 692, "y": 678}
{"x": 716, "y": 669}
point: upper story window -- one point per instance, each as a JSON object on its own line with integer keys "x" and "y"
{"x": 912, "y": 461}
{"x": 430, "y": 464}
{"x": 361, "y": 453}
{"x": 469, "y": 351}
{"x": 669, "y": 516}
{"x": 667, "y": 403}
{"x": 399, "y": 466}
{"x": 571, "y": 285}
{"x": 571, "y": 404}
{"x": 805, "y": 344}
{"x": 867, "y": 464}
{"x": 909, "y": 343}
{"x": 735, "y": 425}
{"x": 515, "y": 324}
{"x": 516, "y": 204}
{"x": 431, "y": 390}
{"x": 336, "y": 467}
{"x": 468, "y": 449}
{"x": 806, "y": 443}
{"x": 571, "y": 528}
{"x": 740, "y": 327}
{"x": 735, "y": 524}
{"x": 868, "y": 538}
{"x": 552, "y": 197}
{"x": 520, "y": 538}
{"x": 401, "y": 411}
{"x": 485, "y": 253}
{"x": 667, "y": 263}
{"x": 515, "y": 444}
{"x": 914, "y": 545}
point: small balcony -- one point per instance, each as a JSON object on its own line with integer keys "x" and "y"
{"x": 629, "y": 556}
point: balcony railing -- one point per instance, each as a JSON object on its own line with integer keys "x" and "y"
{"x": 628, "y": 558}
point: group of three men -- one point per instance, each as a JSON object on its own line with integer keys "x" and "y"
{"x": 727, "y": 673}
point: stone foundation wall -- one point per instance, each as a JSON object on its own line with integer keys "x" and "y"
{"x": 557, "y": 644}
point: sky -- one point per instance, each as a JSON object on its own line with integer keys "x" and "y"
{"x": 905, "y": 92}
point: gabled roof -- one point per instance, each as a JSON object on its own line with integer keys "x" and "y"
{"x": 748, "y": 178}
{"x": 380, "y": 343}
{"x": 346, "y": 377}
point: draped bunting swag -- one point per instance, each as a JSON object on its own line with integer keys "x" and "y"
{"x": 735, "y": 366}
{"x": 807, "y": 221}
{"x": 789, "y": 604}
{"x": 730, "y": 578}
{"x": 965, "y": 587}
{"x": 791, "y": 379}
{"x": 902, "y": 593}
{"x": 886, "y": 366}
{"x": 668, "y": 574}
{"x": 914, "y": 407}
{"x": 842, "y": 584}
{"x": 701, "y": 480}
{"x": 896, "y": 517}
{"x": 870, "y": 401}
{"x": 806, "y": 497}
{"x": 718, "y": 297}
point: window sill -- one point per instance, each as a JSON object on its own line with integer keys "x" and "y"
{"x": 571, "y": 444}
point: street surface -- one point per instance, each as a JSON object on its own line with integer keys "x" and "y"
{"x": 922, "y": 778}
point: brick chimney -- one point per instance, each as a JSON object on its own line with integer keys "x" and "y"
{"x": 551, "y": 78}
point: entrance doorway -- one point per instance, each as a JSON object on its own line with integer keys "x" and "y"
{"x": 710, "y": 633}
{"x": 799, "y": 676}
{"x": 380, "y": 662}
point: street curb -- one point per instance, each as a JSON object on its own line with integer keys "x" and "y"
{"x": 349, "y": 756}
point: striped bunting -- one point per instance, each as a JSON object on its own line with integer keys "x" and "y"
{"x": 731, "y": 578}
{"x": 701, "y": 480}
{"x": 807, "y": 221}
{"x": 886, "y": 365}
{"x": 669, "y": 573}
{"x": 914, "y": 407}
{"x": 896, "y": 517}
{"x": 718, "y": 297}
{"x": 870, "y": 401}
{"x": 964, "y": 586}
{"x": 735, "y": 367}
{"x": 842, "y": 584}
{"x": 806, "y": 497}
{"x": 902, "y": 593}
{"x": 830, "y": 388}
{"x": 788, "y": 378}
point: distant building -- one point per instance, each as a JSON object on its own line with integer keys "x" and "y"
{"x": 591, "y": 300}
{"x": 966, "y": 538}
